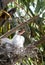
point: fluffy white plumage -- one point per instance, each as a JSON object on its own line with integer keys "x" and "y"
{"x": 6, "y": 40}
{"x": 18, "y": 40}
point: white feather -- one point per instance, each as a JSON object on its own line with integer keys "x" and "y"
{"x": 17, "y": 40}
{"x": 6, "y": 40}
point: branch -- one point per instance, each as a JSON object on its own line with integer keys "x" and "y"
{"x": 19, "y": 26}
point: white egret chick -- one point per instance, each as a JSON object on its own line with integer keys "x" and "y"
{"x": 18, "y": 40}
{"x": 6, "y": 40}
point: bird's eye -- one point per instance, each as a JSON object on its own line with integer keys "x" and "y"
{"x": 19, "y": 30}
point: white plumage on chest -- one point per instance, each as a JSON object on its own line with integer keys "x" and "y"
{"x": 18, "y": 40}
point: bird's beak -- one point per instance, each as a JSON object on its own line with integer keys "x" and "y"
{"x": 21, "y": 32}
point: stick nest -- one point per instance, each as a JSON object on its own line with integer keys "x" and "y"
{"x": 9, "y": 54}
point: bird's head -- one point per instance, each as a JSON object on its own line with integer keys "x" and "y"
{"x": 20, "y": 32}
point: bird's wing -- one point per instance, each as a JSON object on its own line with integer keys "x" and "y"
{"x": 5, "y": 40}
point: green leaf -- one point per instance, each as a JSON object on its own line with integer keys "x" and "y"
{"x": 38, "y": 6}
{"x": 43, "y": 15}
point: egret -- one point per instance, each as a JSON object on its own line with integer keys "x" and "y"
{"x": 17, "y": 40}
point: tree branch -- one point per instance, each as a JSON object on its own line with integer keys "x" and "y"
{"x": 19, "y": 26}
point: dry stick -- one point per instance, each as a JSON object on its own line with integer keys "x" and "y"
{"x": 19, "y": 26}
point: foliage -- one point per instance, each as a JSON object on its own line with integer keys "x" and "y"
{"x": 24, "y": 10}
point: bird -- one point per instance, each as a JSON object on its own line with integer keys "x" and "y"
{"x": 5, "y": 40}
{"x": 6, "y": 43}
{"x": 17, "y": 40}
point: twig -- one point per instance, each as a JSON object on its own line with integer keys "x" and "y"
{"x": 19, "y": 26}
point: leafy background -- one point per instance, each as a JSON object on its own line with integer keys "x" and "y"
{"x": 24, "y": 10}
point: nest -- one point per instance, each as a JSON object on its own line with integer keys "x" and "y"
{"x": 9, "y": 54}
